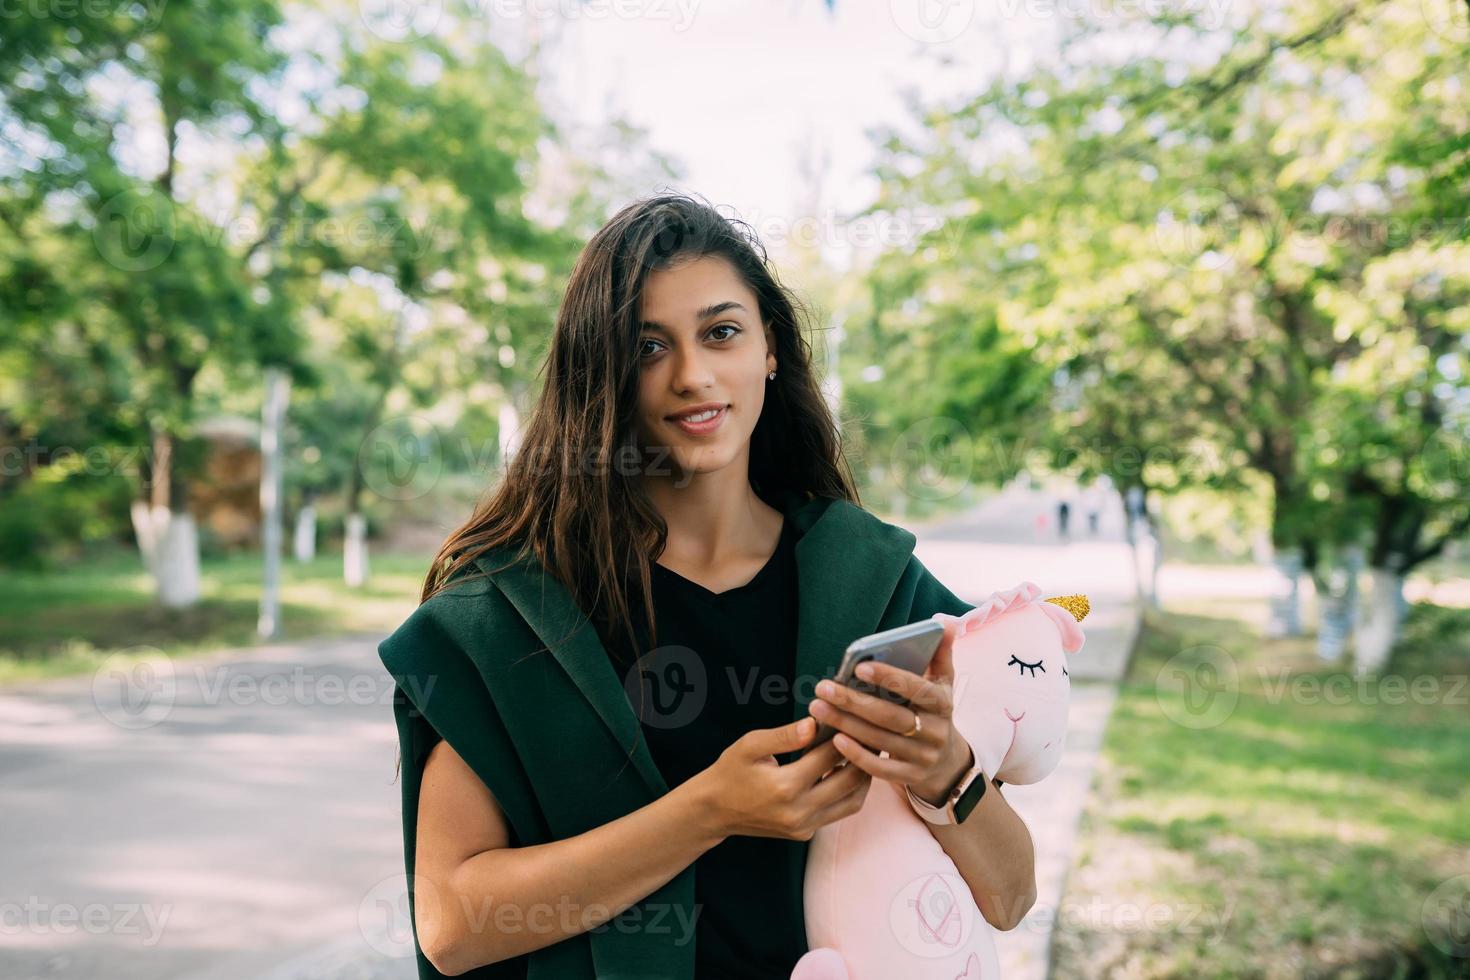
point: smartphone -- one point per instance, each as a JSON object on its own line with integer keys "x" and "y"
{"x": 908, "y": 647}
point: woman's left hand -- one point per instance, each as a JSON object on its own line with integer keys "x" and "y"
{"x": 929, "y": 761}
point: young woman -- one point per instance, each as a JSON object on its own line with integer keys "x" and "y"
{"x": 674, "y": 558}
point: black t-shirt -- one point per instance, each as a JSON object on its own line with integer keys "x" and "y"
{"x": 723, "y": 666}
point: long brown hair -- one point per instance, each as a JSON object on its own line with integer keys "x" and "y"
{"x": 564, "y": 499}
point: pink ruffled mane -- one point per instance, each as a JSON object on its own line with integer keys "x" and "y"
{"x": 1025, "y": 595}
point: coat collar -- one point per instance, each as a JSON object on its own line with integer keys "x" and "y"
{"x": 848, "y": 563}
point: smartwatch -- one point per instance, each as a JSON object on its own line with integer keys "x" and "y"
{"x": 957, "y": 805}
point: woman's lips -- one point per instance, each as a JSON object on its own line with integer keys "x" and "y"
{"x": 703, "y": 428}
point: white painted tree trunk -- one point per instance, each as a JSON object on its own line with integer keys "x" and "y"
{"x": 1380, "y": 628}
{"x": 1286, "y": 600}
{"x": 304, "y": 541}
{"x": 1337, "y": 605}
{"x": 1146, "y": 558}
{"x": 176, "y": 563}
{"x": 355, "y": 551}
{"x": 169, "y": 544}
{"x": 143, "y": 531}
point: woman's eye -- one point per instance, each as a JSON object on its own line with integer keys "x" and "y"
{"x": 1023, "y": 666}
{"x": 644, "y": 352}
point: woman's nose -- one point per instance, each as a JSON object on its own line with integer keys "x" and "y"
{"x": 691, "y": 370}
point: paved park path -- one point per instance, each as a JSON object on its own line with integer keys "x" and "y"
{"x": 238, "y": 818}
{"x": 210, "y": 832}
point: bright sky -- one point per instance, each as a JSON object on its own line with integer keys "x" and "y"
{"x": 748, "y": 95}
{"x": 742, "y": 92}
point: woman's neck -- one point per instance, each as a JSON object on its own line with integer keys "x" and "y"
{"x": 714, "y": 523}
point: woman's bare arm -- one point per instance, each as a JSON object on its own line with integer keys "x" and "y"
{"x": 479, "y": 900}
{"x": 994, "y": 854}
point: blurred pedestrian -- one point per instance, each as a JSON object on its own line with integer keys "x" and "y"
{"x": 1092, "y": 500}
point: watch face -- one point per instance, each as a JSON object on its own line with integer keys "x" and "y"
{"x": 970, "y": 797}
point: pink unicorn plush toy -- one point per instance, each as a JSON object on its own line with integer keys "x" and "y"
{"x": 883, "y": 900}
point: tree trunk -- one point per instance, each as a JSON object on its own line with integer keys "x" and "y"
{"x": 304, "y": 541}
{"x": 1337, "y": 603}
{"x": 1380, "y": 628}
{"x": 1286, "y": 612}
{"x": 355, "y": 551}
{"x": 1143, "y": 542}
{"x": 177, "y": 561}
{"x": 1135, "y": 552}
{"x": 167, "y": 537}
{"x": 1149, "y": 554}
{"x": 144, "y": 531}
{"x": 1396, "y": 549}
{"x": 354, "y": 539}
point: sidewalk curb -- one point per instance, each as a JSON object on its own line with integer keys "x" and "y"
{"x": 1053, "y": 808}
{"x": 1135, "y": 628}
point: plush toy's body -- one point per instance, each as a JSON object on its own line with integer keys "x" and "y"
{"x": 883, "y": 900}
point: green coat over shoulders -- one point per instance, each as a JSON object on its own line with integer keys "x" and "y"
{"x": 516, "y": 679}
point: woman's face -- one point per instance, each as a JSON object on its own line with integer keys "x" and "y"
{"x": 702, "y": 344}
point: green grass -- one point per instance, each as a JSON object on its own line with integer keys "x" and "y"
{"x": 1289, "y": 834}
{"x": 67, "y": 622}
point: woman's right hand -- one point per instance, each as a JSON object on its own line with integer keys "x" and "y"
{"x": 752, "y": 794}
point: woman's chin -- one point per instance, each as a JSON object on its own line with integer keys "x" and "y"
{"x": 697, "y": 461}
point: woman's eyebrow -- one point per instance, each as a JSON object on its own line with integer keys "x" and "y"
{"x": 714, "y": 309}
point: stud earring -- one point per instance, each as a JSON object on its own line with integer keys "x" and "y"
{"x": 771, "y": 376}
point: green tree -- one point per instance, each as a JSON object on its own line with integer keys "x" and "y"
{"x": 162, "y": 294}
{"x": 1168, "y": 229}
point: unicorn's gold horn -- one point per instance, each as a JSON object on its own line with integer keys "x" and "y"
{"x": 1077, "y": 605}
